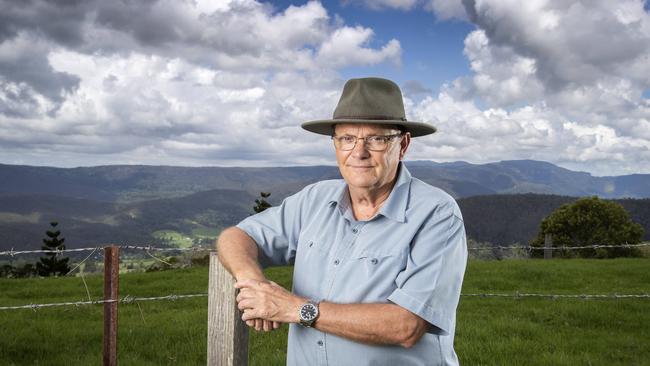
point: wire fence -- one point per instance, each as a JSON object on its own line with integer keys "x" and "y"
{"x": 196, "y": 249}
{"x": 563, "y": 247}
{"x": 125, "y": 300}
{"x": 146, "y": 248}
{"x": 132, "y": 299}
{"x": 149, "y": 248}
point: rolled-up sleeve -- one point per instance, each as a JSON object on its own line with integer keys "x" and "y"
{"x": 276, "y": 230}
{"x": 430, "y": 284}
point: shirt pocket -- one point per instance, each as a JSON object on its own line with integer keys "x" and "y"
{"x": 379, "y": 262}
{"x": 313, "y": 250}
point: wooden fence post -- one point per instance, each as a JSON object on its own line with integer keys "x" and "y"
{"x": 548, "y": 245}
{"x": 227, "y": 333}
{"x": 111, "y": 286}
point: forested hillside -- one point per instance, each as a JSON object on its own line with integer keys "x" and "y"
{"x": 498, "y": 219}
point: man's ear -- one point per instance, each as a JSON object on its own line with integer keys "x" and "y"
{"x": 404, "y": 145}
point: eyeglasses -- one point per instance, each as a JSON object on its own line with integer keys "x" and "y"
{"x": 372, "y": 143}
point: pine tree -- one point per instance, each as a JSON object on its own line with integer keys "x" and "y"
{"x": 51, "y": 264}
{"x": 261, "y": 204}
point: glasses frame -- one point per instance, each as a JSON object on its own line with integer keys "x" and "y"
{"x": 390, "y": 138}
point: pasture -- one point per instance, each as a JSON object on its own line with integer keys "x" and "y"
{"x": 490, "y": 331}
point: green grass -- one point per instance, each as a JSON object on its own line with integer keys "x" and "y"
{"x": 175, "y": 238}
{"x": 490, "y": 331}
{"x": 206, "y": 232}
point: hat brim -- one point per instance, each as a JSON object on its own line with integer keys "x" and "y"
{"x": 324, "y": 127}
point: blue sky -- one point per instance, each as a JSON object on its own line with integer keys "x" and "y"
{"x": 228, "y": 82}
{"x": 432, "y": 51}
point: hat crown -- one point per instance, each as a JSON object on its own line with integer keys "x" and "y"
{"x": 370, "y": 99}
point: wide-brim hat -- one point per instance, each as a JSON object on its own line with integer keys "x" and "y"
{"x": 370, "y": 100}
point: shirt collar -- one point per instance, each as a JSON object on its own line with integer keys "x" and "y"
{"x": 395, "y": 206}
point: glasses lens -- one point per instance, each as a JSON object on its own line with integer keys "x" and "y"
{"x": 345, "y": 142}
{"x": 377, "y": 143}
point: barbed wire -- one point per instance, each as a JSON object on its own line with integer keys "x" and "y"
{"x": 595, "y": 246}
{"x": 564, "y": 296}
{"x": 13, "y": 253}
{"x": 165, "y": 249}
{"x": 128, "y": 299}
{"x": 148, "y": 248}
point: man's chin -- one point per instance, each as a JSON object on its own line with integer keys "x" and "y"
{"x": 361, "y": 183}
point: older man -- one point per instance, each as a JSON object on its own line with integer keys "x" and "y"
{"x": 378, "y": 257}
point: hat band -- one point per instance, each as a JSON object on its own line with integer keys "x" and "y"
{"x": 371, "y": 117}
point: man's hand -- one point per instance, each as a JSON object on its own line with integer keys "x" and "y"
{"x": 260, "y": 324}
{"x": 267, "y": 301}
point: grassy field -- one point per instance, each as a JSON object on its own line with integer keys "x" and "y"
{"x": 490, "y": 331}
{"x": 174, "y": 238}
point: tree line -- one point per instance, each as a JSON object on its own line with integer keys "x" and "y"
{"x": 585, "y": 222}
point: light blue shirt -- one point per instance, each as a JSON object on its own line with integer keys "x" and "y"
{"x": 412, "y": 253}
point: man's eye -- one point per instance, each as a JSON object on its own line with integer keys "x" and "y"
{"x": 376, "y": 139}
{"x": 347, "y": 139}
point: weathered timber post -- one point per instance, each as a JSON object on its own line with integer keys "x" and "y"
{"x": 548, "y": 245}
{"x": 227, "y": 333}
{"x": 111, "y": 293}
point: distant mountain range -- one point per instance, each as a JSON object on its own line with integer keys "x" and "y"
{"x": 139, "y": 204}
{"x": 129, "y": 183}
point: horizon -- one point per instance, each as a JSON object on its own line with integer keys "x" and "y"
{"x": 308, "y": 166}
{"x": 231, "y": 81}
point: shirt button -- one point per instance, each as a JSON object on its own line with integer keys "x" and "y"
{"x": 355, "y": 230}
{"x": 320, "y": 343}
{"x": 311, "y": 243}
{"x": 336, "y": 262}
{"x": 374, "y": 261}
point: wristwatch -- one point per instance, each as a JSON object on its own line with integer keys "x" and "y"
{"x": 308, "y": 313}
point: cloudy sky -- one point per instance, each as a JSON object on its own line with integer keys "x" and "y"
{"x": 227, "y": 82}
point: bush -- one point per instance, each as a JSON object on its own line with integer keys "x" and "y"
{"x": 590, "y": 221}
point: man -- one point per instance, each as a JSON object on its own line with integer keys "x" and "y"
{"x": 378, "y": 257}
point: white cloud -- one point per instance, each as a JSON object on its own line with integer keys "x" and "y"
{"x": 348, "y": 46}
{"x": 229, "y": 83}
{"x": 539, "y": 132}
{"x": 578, "y": 69}
{"x": 568, "y": 43}
{"x": 447, "y": 9}
{"x": 386, "y": 4}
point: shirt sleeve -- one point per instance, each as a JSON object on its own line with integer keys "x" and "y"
{"x": 430, "y": 284}
{"x": 276, "y": 230}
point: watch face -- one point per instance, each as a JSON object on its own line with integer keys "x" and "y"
{"x": 308, "y": 312}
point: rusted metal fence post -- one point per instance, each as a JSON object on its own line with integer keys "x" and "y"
{"x": 227, "y": 334}
{"x": 111, "y": 293}
{"x": 548, "y": 245}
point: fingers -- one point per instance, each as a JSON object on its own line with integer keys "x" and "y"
{"x": 267, "y": 325}
{"x": 259, "y": 324}
{"x": 245, "y": 304}
{"x": 248, "y": 315}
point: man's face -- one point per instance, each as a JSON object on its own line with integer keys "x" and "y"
{"x": 366, "y": 169}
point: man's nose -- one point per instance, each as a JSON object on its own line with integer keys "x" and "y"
{"x": 360, "y": 151}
